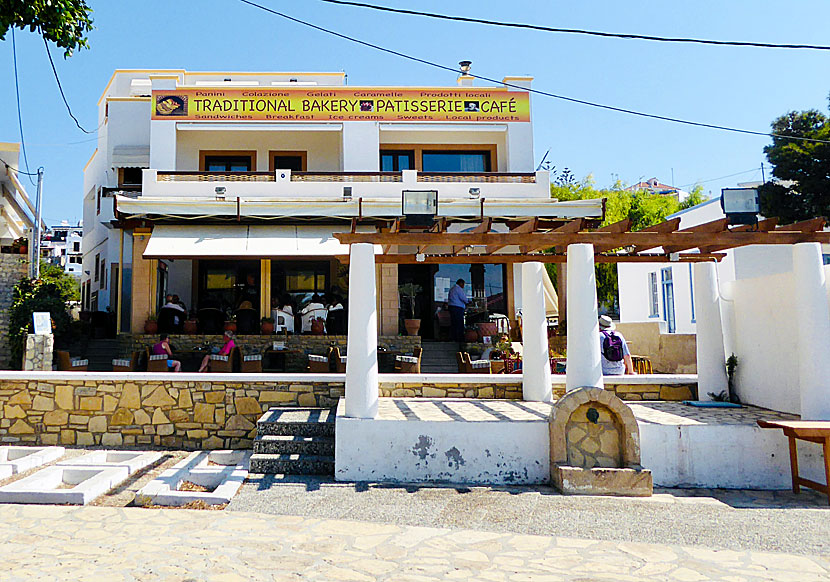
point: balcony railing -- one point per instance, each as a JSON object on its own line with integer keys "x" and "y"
{"x": 435, "y": 177}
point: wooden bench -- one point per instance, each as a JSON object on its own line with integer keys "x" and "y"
{"x": 814, "y": 431}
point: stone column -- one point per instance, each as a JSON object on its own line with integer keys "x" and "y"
{"x": 39, "y": 352}
{"x": 812, "y": 319}
{"x": 362, "y": 360}
{"x": 711, "y": 358}
{"x": 584, "y": 364}
{"x": 536, "y": 360}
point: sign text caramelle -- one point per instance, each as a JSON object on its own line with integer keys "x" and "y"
{"x": 343, "y": 104}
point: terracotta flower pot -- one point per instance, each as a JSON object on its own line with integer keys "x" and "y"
{"x": 151, "y": 327}
{"x": 24, "y": 250}
{"x": 191, "y": 326}
{"x": 470, "y": 336}
{"x": 412, "y": 326}
{"x": 230, "y": 326}
{"x": 267, "y": 327}
{"x": 318, "y": 326}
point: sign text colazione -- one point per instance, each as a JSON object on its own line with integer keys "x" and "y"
{"x": 343, "y": 104}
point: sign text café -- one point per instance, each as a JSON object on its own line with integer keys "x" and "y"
{"x": 343, "y": 104}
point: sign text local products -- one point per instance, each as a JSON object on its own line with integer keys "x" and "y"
{"x": 343, "y": 104}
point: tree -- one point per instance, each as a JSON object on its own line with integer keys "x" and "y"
{"x": 642, "y": 207}
{"x": 802, "y": 168}
{"x": 64, "y": 22}
{"x": 49, "y": 293}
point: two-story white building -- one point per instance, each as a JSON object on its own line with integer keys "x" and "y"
{"x": 224, "y": 188}
{"x": 61, "y": 246}
{"x": 16, "y": 207}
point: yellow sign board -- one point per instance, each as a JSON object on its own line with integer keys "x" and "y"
{"x": 342, "y": 104}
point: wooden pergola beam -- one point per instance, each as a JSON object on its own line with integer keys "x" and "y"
{"x": 719, "y": 225}
{"x": 409, "y": 259}
{"x": 527, "y": 226}
{"x": 765, "y": 225}
{"x": 622, "y": 226}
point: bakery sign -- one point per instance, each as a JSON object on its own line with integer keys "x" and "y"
{"x": 342, "y": 104}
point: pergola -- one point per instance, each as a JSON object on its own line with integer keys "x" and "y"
{"x": 580, "y": 244}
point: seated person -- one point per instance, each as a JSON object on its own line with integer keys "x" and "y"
{"x": 172, "y": 302}
{"x": 225, "y": 350}
{"x": 162, "y": 348}
{"x": 179, "y": 302}
{"x": 313, "y": 310}
{"x": 285, "y": 304}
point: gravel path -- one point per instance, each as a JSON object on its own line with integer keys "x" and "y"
{"x": 732, "y": 520}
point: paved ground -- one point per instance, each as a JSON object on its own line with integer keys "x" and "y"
{"x": 46, "y": 543}
{"x": 733, "y": 520}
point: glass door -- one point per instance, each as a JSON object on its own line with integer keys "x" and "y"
{"x": 668, "y": 299}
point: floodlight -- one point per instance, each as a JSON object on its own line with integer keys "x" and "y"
{"x": 419, "y": 207}
{"x": 741, "y": 205}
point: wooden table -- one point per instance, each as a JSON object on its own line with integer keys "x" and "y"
{"x": 814, "y": 431}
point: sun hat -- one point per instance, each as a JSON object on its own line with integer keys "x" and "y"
{"x": 605, "y": 322}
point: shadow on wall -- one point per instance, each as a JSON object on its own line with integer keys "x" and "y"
{"x": 670, "y": 353}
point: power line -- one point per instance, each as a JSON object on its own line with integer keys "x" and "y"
{"x": 19, "y": 115}
{"x": 578, "y": 30}
{"x": 60, "y": 88}
{"x": 535, "y": 91}
{"x": 721, "y": 178}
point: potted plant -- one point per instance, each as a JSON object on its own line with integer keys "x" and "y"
{"x": 151, "y": 325}
{"x": 230, "y": 323}
{"x": 318, "y": 325}
{"x": 191, "y": 325}
{"x": 267, "y": 325}
{"x": 409, "y": 291}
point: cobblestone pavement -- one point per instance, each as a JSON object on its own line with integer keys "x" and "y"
{"x": 776, "y": 521}
{"x": 46, "y": 543}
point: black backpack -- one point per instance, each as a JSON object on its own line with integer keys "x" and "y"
{"x": 612, "y": 346}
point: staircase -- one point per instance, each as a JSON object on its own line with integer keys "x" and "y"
{"x": 100, "y": 353}
{"x": 439, "y": 357}
{"x": 295, "y": 441}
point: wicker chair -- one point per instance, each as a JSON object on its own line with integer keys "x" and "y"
{"x": 318, "y": 364}
{"x": 126, "y": 364}
{"x": 224, "y": 364}
{"x": 409, "y": 364}
{"x": 68, "y": 364}
{"x": 251, "y": 364}
{"x": 337, "y": 363}
{"x": 157, "y": 362}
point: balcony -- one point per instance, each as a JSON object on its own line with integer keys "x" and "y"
{"x": 315, "y": 185}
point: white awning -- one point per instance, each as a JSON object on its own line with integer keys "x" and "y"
{"x": 241, "y": 241}
{"x": 131, "y": 157}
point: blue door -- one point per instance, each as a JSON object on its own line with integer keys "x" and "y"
{"x": 668, "y": 298}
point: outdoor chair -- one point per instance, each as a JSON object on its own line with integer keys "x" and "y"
{"x": 68, "y": 364}
{"x": 211, "y": 320}
{"x": 318, "y": 364}
{"x": 337, "y": 363}
{"x": 126, "y": 364}
{"x": 224, "y": 364}
{"x": 171, "y": 320}
{"x": 157, "y": 362}
{"x": 336, "y": 322}
{"x": 307, "y": 318}
{"x": 247, "y": 321}
{"x": 251, "y": 364}
{"x": 283, "y": 321}
{"x": 462, "y": 364}
{"x": 480, "y": 366}
{"x": 409, "y": 364}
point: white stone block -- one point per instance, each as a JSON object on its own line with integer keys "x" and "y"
{"x": 21, "y": 459}
{"x": 133, "y": 460}
{"x": 224, "y": 478}
{"x": 76, "y": 485}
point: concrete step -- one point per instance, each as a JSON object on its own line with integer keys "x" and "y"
{"x": 292, "y": 464}
{"x": 294, "y": 445}
{"x": 295, "y": 421}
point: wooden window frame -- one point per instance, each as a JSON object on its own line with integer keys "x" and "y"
{"x": 121, "y": 182}
{"x": 205, "y": 153}
{"x": 273, "y": 153}
{"x": 418, "y": 151}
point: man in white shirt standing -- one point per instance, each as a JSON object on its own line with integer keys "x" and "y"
{"x": 613, "y": 349}
{"x": 457, "y": 302}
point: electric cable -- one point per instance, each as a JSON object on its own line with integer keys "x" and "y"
{"x": 720, "y": 178}
{"x": 19, "y": 115}
{"x": 530, "y": 90}
{"x": 580, "y": 31}
{"x": 60, "y": 88}
{"x": 18, "y": 171}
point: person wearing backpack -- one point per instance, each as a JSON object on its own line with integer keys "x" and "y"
{"x": 616, "y": 359}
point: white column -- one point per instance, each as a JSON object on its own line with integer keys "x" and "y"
{"x": 362, "y": 360}
{"x": 711, "y": 358}
{"x": 536, "y": 362}
{"x": 812, "y": 319}
{"x": 584, "y": 364}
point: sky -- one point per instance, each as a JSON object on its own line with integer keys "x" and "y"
{"x": 739, "y": 87}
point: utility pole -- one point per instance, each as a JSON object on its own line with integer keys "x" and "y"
{"x": 36, "y": 234}
{"x": 763, "y": 178}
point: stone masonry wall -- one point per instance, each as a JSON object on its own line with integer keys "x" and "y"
{"x": 214, "y": 412}
{"x": 12, "y": 269}
{"x": 299, "y": 346}
{"x": 39, "y": 352}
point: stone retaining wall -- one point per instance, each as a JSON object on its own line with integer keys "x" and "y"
{"x": 205, "y": 411}
{"x": 12, "y": 269}
{"x": 299, "y": 346}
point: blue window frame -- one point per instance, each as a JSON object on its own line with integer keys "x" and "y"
{"x": 692, "y": 291}
{"x": 668, "y": 298}
{"x": 654, "y": 307}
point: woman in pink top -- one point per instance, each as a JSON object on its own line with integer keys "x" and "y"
{"x": 226, "y": 349}
{"x": 162, "y": 348}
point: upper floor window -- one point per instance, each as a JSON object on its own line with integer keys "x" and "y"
{"x": 396, "y": 161}
{"x": 230, "y": 161}
{"x": 456, "y": 161}
{"x": 129, "y": 177}
{"x": 294, "y": 161}
{"x": 429, "y": 158}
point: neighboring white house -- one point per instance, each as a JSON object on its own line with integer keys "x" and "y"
{"x": 61, "y": 246}
{"x": 654, "y": 186}
{"x": 17, "y": 209}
